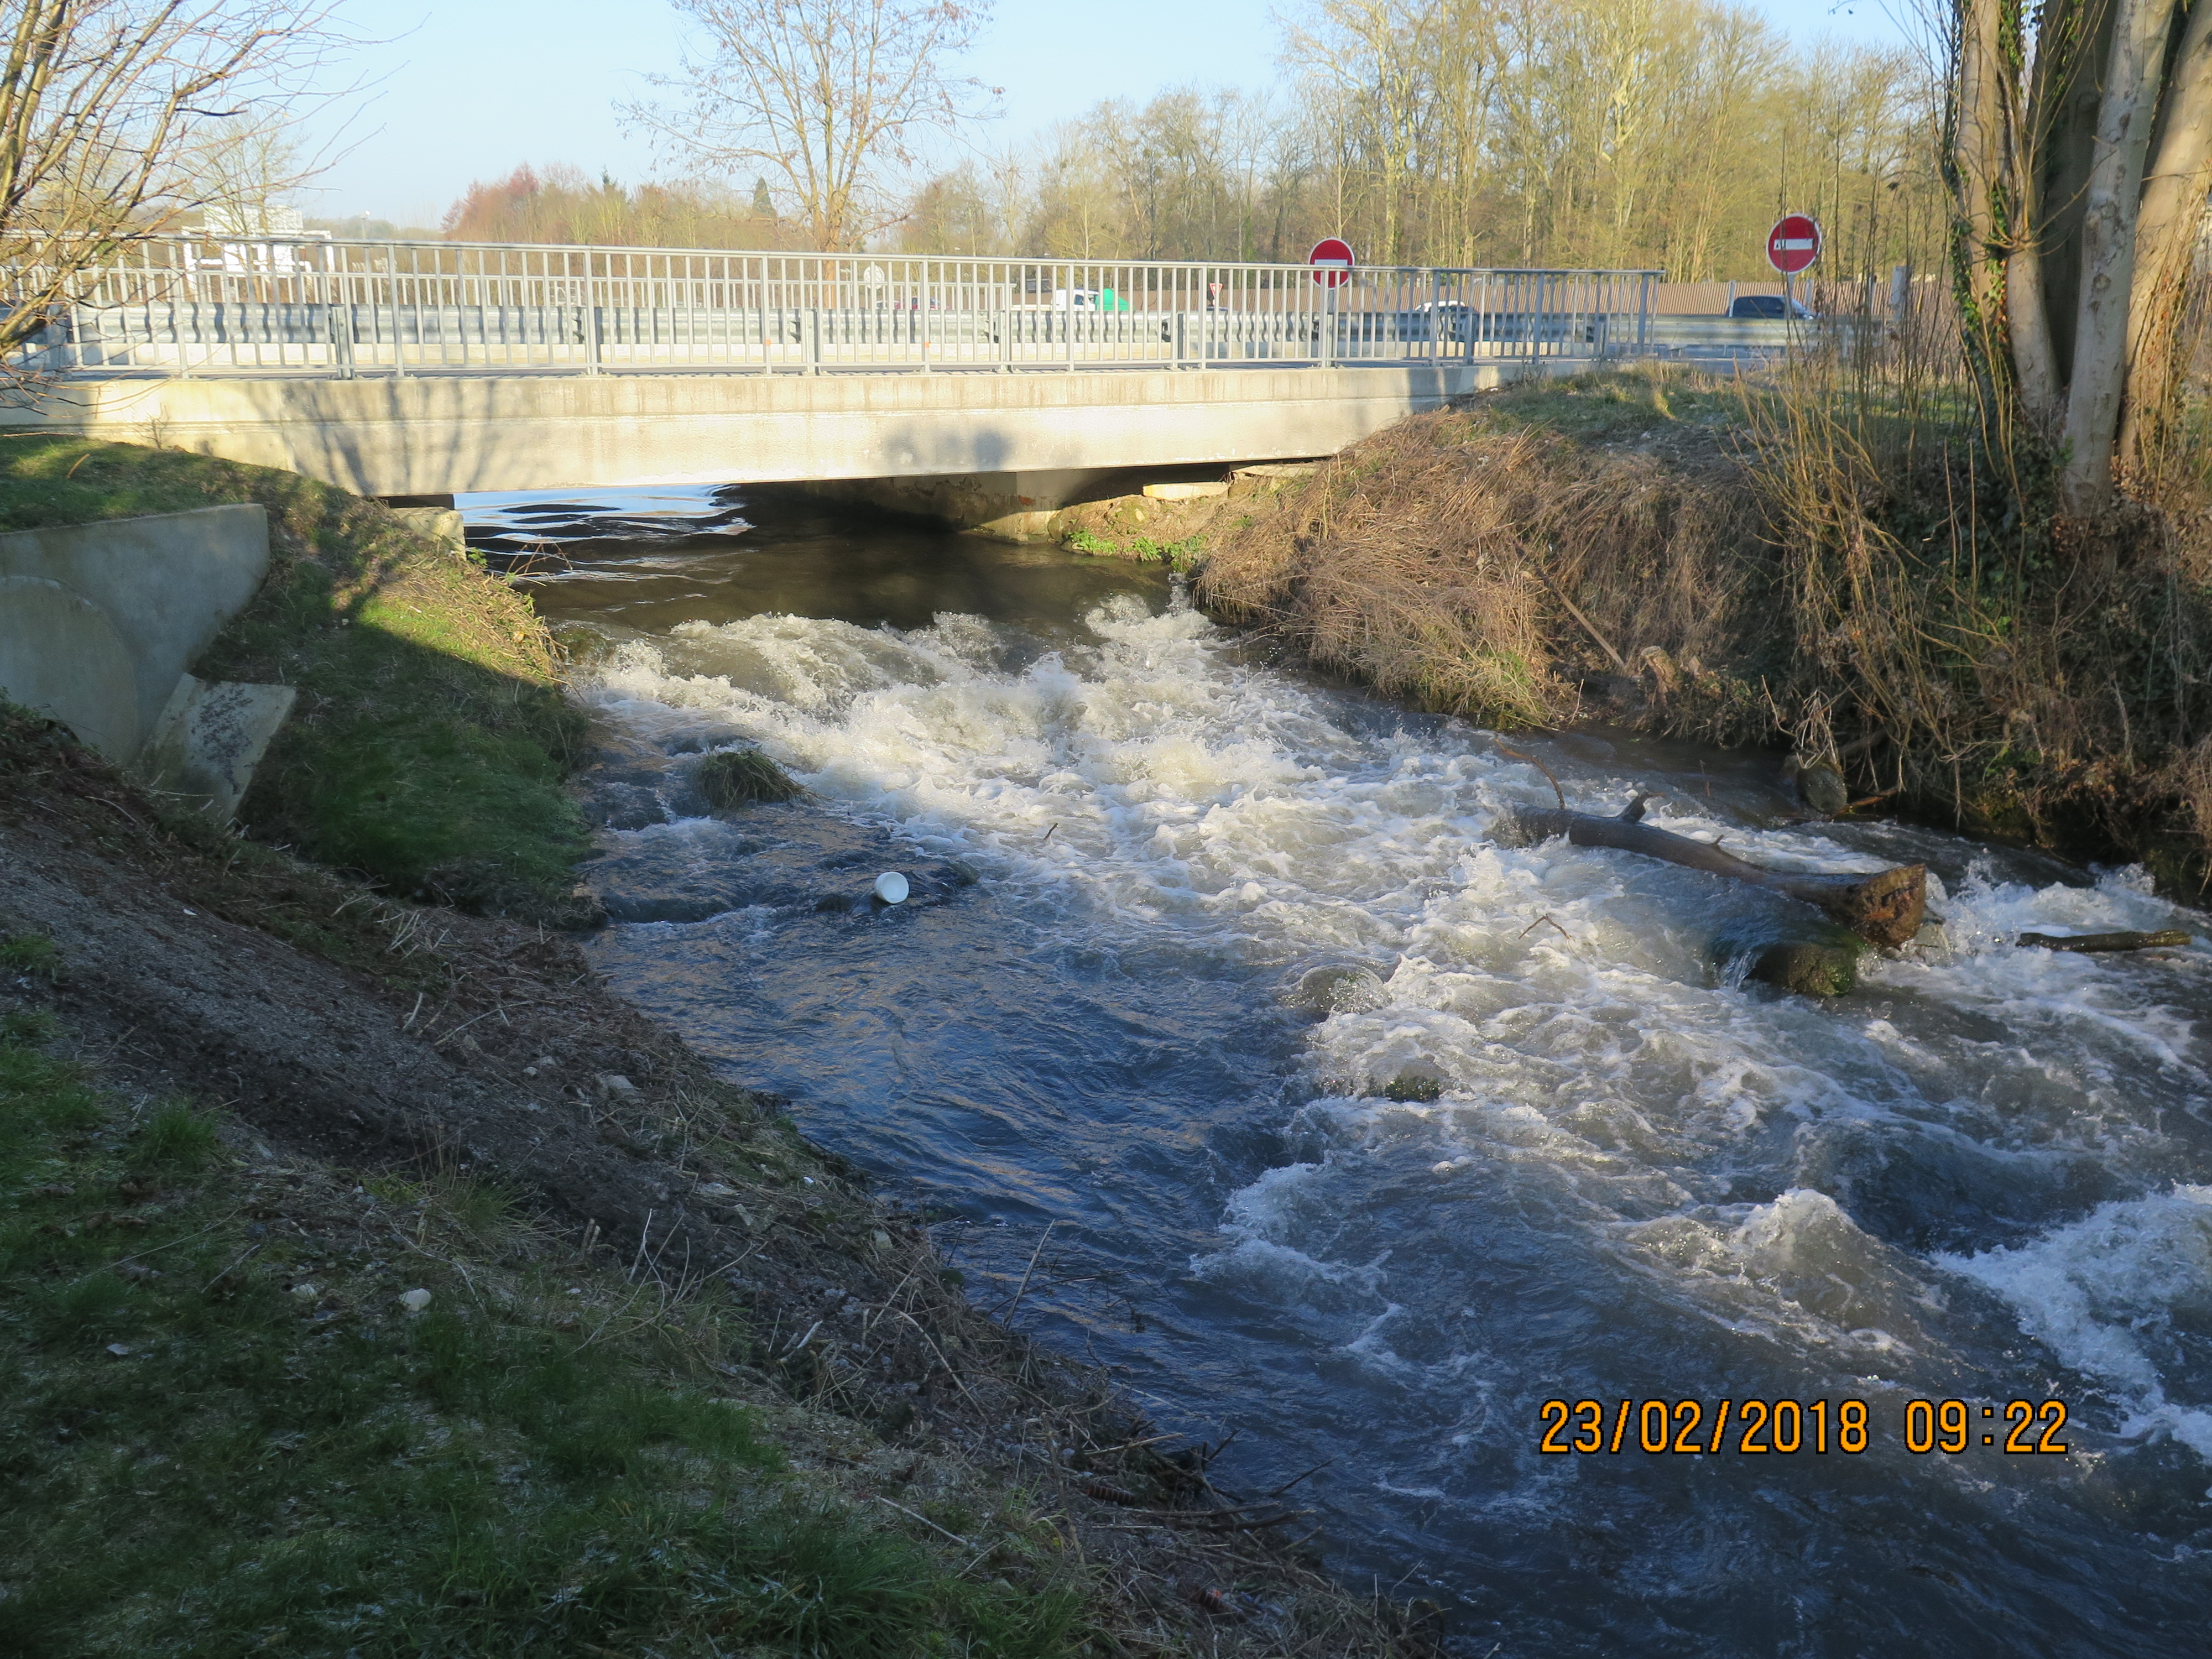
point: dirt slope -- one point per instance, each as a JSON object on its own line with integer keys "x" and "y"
{"x": 341, "y": 1033}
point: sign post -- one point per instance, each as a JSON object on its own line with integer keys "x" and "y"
{"x": 1331, "y": 260}
{"x": 1791, "y": 246}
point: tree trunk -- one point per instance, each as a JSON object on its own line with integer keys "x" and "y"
{"x": 2111, "y": 203}
{"x": 2124, "y": 941}
{"x": 2166, "y": 228}
{"x": 1884, "y": 908}
{"x": 2061, "y": 140}
{"x": 1980, "y": 151}
{"x": 2035, "y": 357}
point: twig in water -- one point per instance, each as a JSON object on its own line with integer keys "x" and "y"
{"x": 1540, "y": 767}
{"x": 1047, "y": 833}
{"x": 1540, "y": 921}
{"x": 1294, "y": 1479}
{"x": 1023, "y": 1289}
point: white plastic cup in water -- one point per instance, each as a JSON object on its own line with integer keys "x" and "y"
{"x": 891, "y": 888}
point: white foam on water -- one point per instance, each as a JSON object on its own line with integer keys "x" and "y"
{"x": 1556, "y": 1001}
{"x": 2119, "y": 1297}
{"x": 1981, "y": 968}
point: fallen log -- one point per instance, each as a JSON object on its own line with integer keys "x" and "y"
{"x": 1884, "y": 908}
{"x": 2120, "y": 941}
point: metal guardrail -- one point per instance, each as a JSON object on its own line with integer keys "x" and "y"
{"x": 191, "y": 306}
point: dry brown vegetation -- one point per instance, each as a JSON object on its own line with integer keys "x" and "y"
{"x": 1833, "y": 559}
{"x": 1481, "y": 560}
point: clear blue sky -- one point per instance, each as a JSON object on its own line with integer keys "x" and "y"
{"x": 468, "y": 89}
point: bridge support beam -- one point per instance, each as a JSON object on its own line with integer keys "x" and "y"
{"x": 439, "y": 435}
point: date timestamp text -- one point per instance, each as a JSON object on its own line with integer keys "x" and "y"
{"x": 1755, "y": 1428}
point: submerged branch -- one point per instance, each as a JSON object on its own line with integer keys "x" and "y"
{"x": 1884, "y": 907}
{"x": 2118, "y": 941}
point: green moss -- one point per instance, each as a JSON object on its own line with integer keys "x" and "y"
{"x": 431, "y": 740}
{"x": 224, "y": 1438}
{"x": 745, "y": 777}
{"x": 1176, "y": 556}
{"x": 1808, "y": 955}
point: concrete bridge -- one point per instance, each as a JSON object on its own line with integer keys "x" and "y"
{"x": 426, "y": 370}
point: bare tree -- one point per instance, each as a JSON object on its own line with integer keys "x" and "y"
{"x": 827, "y": 94}
{"x": 109, "y": 111}
{"x": 2079, "y": 152}
{"x": 1651, "y": 132}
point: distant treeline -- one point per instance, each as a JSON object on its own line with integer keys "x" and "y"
{"x": 560, "y": 204}
{"x": 1666, "y": 134}
{"x": 1661, "y": 133}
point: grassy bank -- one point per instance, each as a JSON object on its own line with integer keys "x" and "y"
{"x": 430, "y": 742}
{"x": 231, "y": 1429}
{"x": 1808, "y": 561}
{"x": 372, "y": 1282}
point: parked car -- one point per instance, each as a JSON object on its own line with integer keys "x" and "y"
{"x": 1087, "y": 299}
{"x": 1770, "y": 308}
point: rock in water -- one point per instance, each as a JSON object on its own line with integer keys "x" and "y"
{"x": 1335, "y": 988}
{"x": 743, "y": 777}
{"x": 1820, "y": 784}
{"x": 1812, "y": 958}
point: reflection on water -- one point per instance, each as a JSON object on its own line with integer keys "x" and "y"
{"x": 1226, "y": 916}
{"x": 716, "y": 565}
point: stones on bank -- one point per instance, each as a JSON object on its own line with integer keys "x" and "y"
{"x": 1171, "y": 523}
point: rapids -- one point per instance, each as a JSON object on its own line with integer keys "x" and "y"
{"x": 1518, "y": 1142}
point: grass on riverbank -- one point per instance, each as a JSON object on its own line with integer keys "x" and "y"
{"x": 431, "y": 740}
{"x": 228, "y": 1432}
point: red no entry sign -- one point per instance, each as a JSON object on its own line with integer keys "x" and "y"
{"x": 1331, "y": 260}
{"x": 1793, "y": 244}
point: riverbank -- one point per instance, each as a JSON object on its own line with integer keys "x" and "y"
{"x": 430, "y": 743}
{"x": 1789, "y": 565}
{"x": 380, "y": 1282}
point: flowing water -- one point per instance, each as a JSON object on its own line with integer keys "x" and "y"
{"x": 1225, "y": 913}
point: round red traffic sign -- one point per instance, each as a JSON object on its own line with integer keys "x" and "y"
{"x": 1331, "y": 260}
{"x": 1793, "y": 244}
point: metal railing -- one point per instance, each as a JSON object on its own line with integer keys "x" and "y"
{"x": 190, "y": 306}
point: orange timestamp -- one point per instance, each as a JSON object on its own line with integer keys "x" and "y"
{"x": 1770, "y": 1427}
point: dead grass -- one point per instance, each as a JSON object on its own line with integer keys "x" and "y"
{"x": 1840, "y": 558}
{"x": 1481, "y": 561}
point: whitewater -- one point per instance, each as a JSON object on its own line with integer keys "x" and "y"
{"x": 1365, "y": 1136}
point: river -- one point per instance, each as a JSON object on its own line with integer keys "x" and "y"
{"x": 1607, "y": 1175}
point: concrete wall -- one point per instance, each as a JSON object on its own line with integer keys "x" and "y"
{"x": 98, "y": 621}
{"x": 439, "y": 435}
